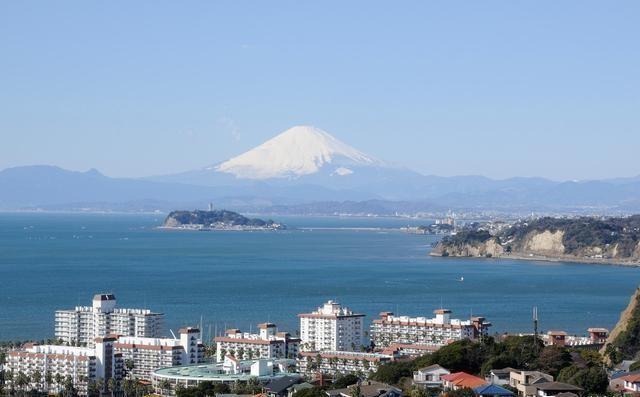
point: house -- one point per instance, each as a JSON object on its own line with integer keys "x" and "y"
{"x": 557, "y": 338}
{"x": 492, "y": 391}
{"x": 367, "y": 389}
{"x": 526, "y": 381}
{"x": 461, "y": 380}
{"x": 631, "y": 382}
{"x": 500, "y": 376}
{"x": 549, "y": 389}
{"x": 278, "y": 387}
{"x": 430, "y": 376}
{"x": 297, "y": 387}
{"x": 617, "y": 380}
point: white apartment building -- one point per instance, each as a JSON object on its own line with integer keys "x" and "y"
{"x": 83, "y": 365}
{"x": 331, "y": 327}
{"x": 340, "y": 362}
{"x": 80, "y": 326}
{"x": 150, "y": 354}
{"x": 440, "y": 330}
{"x": 268, "y": 343}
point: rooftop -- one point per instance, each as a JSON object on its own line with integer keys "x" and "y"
{"x": 211, "y": 372}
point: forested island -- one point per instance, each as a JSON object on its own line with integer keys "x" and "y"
{"x": 584, "y": 239}
{"x": 217, "y": 220}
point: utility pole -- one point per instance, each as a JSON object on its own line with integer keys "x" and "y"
{"x": 535, "y": 329}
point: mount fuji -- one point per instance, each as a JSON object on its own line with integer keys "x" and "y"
{"x": 298, "y": 151}
{"x": 307, "y": 156}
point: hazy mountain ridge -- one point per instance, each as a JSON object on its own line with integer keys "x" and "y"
{"x": 305, "y": 169}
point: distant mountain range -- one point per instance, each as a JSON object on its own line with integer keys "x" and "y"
{"x": 307, "y": 170}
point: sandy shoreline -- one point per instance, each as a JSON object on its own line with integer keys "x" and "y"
{"x": 586, "y": 261}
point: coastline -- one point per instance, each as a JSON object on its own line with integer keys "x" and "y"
{"x": 543, "y": 258}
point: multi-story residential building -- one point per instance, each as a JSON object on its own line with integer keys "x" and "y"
{"x": 48, "y": 367}
{"x": 82, "y": 325}
{"x": 150, "y": 354}
{"x": 340, "y": 362}
{"x": 331, "y": 327}
{"x": 268, "y": 343}
{"x": 440, "y": 330}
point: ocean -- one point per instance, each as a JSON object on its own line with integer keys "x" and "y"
{"x": 52, "y": 261}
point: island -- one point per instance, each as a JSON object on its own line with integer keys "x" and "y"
{"x": 581, "y": 239}
{"x": 216, "y": 220}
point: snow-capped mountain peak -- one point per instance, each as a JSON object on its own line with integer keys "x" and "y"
{"x": 300, "y": 150}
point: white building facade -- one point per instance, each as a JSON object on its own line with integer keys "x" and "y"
{"x": 150, "y": 354}
{"x": 440, "y": 330}
{"x": 331, "y": 327}
{"x": 268, "y": 343}
{"x": 80, "y": 326}
{"x": 340, "y": 362}
{"x": 47, "y": 367}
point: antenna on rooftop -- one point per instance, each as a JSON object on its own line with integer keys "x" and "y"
{"x": 535, "y": 329}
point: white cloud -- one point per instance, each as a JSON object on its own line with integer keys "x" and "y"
{"x": 231, "y": 125}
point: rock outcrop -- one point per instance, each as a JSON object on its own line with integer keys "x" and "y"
{"x": 615, "y": 240}
{"x": 623, "y": 342}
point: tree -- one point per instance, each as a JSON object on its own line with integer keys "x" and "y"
{"x": 593, "y": 380}
{"x": 22, "y": 381}
{"x": 165, "y": 386}
{"x": 465, "y": 392}
{"x": 69, "y": 389}
{"x": 311, "y": 392}
{"x": 59, "y": 379}
{"x": 37, "y": 379}
{"x": 129, "y": 365}
{"x": 552, "y": 359}
{"x": 345, "y": 380}
{"x": 100, "y": 385}
{"x": 129, "y": 387}
{"x": 112, "y": 385}
{"x": 355, "y": 390}
{"x": 92, "y": 389}
{"x": 48, "y": 380}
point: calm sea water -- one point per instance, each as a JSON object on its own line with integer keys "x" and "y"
{"x": 53, "y": 261}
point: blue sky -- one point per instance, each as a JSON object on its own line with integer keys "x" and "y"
{"x": 509, "y": 88}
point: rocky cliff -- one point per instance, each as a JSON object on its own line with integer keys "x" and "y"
{"x": 623, "y": 342}
{"x": 580, "y": 239}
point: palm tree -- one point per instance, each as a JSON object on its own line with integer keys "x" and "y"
{"x": 22, "y": 381}
{"x": 92, "y": 389}
{"x": 100, "y": 385}
{"x": 129, "y": 365}
{"x": 69, "y": 390}
{"x": 37, "y": 379}
{"x": 59, "y": 380}
{"x": 129, "y": 387}
{"x": 9, "y": 376}
{"x": 48, "y": 379}
{"x": 165, "y": 385}
{"x": 111, "y": 385}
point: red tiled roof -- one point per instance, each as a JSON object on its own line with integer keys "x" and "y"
{"x": 634, "y": 378}
{"x": 463, "y": 379}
